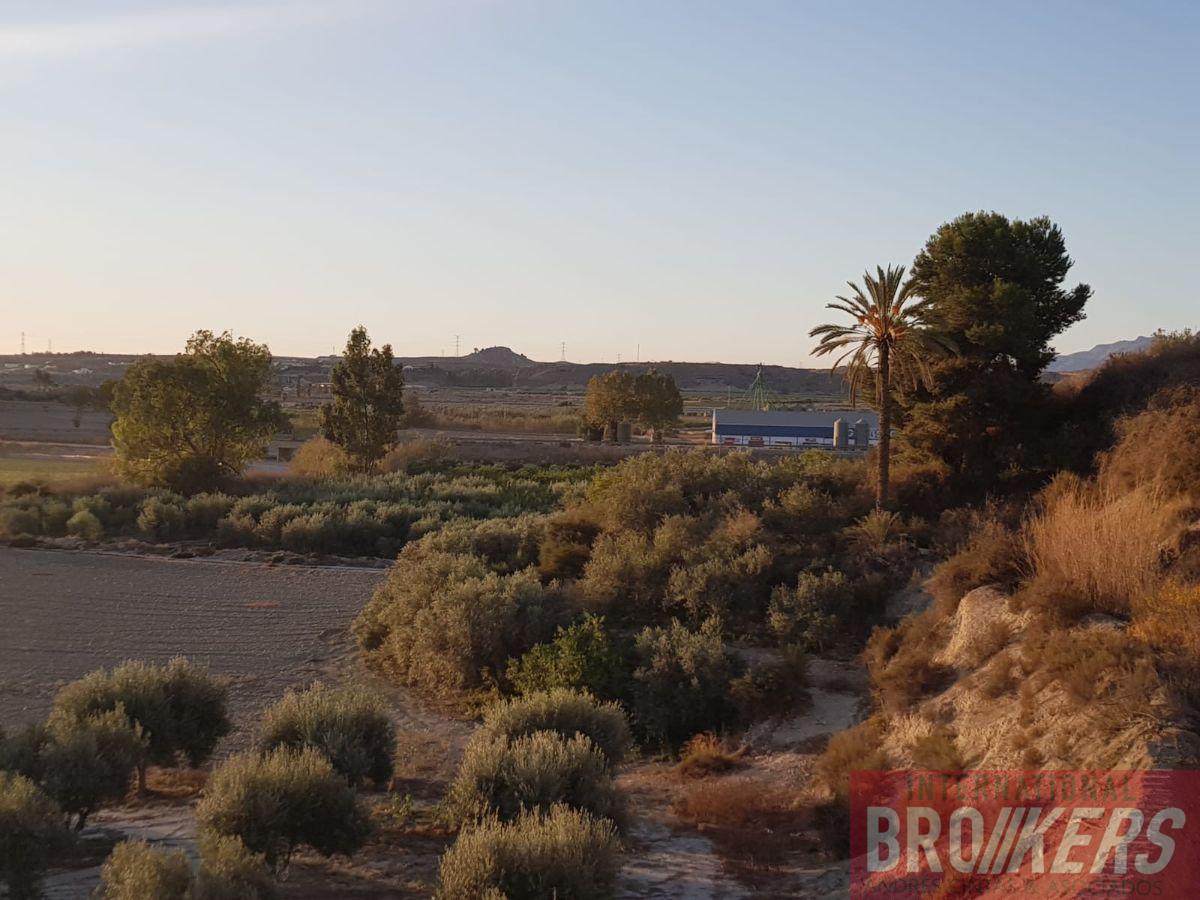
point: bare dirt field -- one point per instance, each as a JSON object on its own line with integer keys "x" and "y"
{"x": 266, "y": 628}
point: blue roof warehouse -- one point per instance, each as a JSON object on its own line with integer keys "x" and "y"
{"x": 845, "y": 430}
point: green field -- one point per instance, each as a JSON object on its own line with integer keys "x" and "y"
{"x": 14, "y": 469}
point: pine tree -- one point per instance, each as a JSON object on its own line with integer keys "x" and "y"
{"x": 368, "y": 401}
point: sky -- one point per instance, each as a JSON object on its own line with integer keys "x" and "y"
{"x": 637, "y": 179}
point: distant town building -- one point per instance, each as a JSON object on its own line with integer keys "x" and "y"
{"x": 845, "y": 429}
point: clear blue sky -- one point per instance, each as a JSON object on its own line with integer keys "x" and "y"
{"x": 695, "y": 177}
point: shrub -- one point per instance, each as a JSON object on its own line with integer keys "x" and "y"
{"x": 566, "y": 545}
{"x": 585, "y": 657}
{"x": 135, "y": 870}
{"x": 17, "y": 522}
{"x": 937, "y": 751}
{"x": 443, "y": 622}
{"x": 1093, "y": 665}
{"x": 228, "y": 871}
{"x": 504, "y": 777}
{"x": 1099, "y": 551}
{"x": 564, "y": 853}
{"x": 160, "y": 519}
{"x": 566, "y": 712}
{"x": 282, "y": 800}
{"x": 413, "y": 456}
{"x": 856, "y": 749}
{"x": 84, "y": 524}
{"x": 505, "y": 545}
{"x": 707, "y": 754}
{"x": 349, "y": 727}
{"x": 180, "y": 709}
{"x": 992, "y": 555}
{"x": 901, "y": 662}
{"x": 32, "y": 835}
{"x": 772, "y": 687}
{"x": 877, "y": 533}
{"x": 807, "y": 614}
{"x": 1159, "y": 448}
{"x": 1168, "y": 619}
{"x": 88, "y": 762}
{"x": 682, "y": 682}
{"x": 317, "y": 458}
{"x": 203, "y": 511}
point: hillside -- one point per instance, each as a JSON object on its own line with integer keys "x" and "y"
{"x": 1090, "y": 359}
{"x": 488, "y": 367}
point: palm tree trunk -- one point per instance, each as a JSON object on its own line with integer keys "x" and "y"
{"x": 885, "y": 426}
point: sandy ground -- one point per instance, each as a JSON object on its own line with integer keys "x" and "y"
{"x": 266, "y": 628}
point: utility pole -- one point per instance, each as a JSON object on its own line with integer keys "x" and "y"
{"x": 639, "y": 352}
{"x": 563, "y": 358}
{"x": 22, "y": 343}
{"x": 618, "y": 359}
{"x": 456, "y": 353}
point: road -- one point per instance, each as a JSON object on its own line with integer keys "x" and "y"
{"x": 266, "y": 628}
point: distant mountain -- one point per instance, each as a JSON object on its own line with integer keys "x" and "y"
{"x": 502, "y": 367}
{"x": 1090, "y": 359}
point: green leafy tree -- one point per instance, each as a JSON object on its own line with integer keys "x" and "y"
{"x": 888, "y": 339}
{"x": 195, "y": 421}
{"x": 996, "y": 287}
{"x": 657, "y": 402}
{"x": 368, "y": 402}
{"x": 609, "y": 400}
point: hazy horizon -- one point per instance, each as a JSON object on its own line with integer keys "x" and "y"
{"x": 694, "y": 178}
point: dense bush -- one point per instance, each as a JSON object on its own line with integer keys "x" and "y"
{"x": 84, "y": 524}
{"x": 136, "y": 870}
{"x": 228, "y": 871}
{"x": 87, "y": 762}
{"x": 282, "y": 800}
{"x": 81, "y": 763}
{"x": 361, "y": 515}
{"x": 583, "y": 657}
{"x": 32, "y": 835}
{"x": 564, "y": 853}
{"x": 445, "y": 622}
{"x": 567, "y": 544}
{"x": 349, "y": 727}
{"x": 772, "y": 687}
{"x": 505, "y": 777}
{"x": 808, "y": 613}
{"x": 682, "y": 683}
{"x": 565, "y": 712}
{"x": 179, "y": 707}
{"x": 160, "y": 518}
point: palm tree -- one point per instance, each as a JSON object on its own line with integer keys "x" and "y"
{"x": 889, "y": 339}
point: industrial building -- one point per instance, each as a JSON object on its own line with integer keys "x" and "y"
{"x": 842, "y": 430}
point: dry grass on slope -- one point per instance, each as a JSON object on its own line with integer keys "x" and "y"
{"x": 1091, "y": 550}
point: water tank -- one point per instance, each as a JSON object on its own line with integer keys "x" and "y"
{"x": 862, "y": 435}
{"x": 840, "y": 438}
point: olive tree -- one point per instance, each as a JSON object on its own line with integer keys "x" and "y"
{"x": 196, "y": 420}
